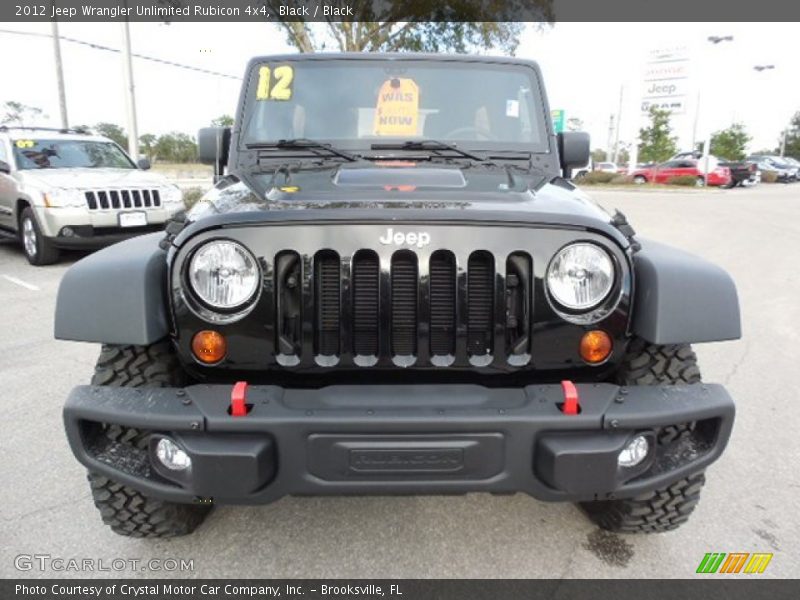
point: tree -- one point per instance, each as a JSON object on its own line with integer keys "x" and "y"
{"x": 730, "y": 143}
{"x": 147, "y": 141}
{"x": 792, "y": 137}
{"x": 17, "y": 113}
{"x": 222, "y": 121}
{"x": 656, "y": 142}
{"x": 421, "y": 26}
{"x": 176, "y": 147}
{"x": 113, "y": 132}
{"x": 598, "y": 155}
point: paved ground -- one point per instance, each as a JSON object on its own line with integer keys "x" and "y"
{"x": 749, "y": 503}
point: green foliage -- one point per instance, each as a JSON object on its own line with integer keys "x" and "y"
{"x": 730, "y": 143}
{"x": 685, "y": 180}
{"x": 222, "y": 121}
{"x": 623, "y": 157}
{"x": 17, "y": 113}
{"x": 598, "y": 155}
{"x": 793, "y": 137}
{"x": 191, "y": 196}
{"x": 622, "y": 180}
{"x": 656, "y": 142}
{"x": 113, "y": 132}
{"x": 147, "y": 142}
{"x": 593, "y": 177}
{"x": 458, "y": 26}
{"x": 176, "y": 147}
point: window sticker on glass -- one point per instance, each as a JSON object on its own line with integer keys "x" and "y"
{"x": 397, "y": 111}
{"x": 512, "y": 108}
{"x": 25, "y": 144}
{"x": 275, "y": 84}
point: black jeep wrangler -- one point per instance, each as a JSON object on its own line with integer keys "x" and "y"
{"x": 393, "y": 289}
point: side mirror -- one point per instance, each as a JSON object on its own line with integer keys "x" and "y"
{"x": 573, "y": 150}
{"x": 143, "y": 163}
{"x": 5, "y": 167}
{"x": 213, "y": 144}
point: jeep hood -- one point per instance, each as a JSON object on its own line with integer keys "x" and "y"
{"x": 392, "y": 192}
{"x": 92, "y": 178}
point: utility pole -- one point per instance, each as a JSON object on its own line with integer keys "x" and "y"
{"x": 615, "y": 157}
{"x": 715, "y": 40}
{"x": 609, "y": 151}
{"x": 62, "y": 94}
{"x": 130, "y": 97}
{"x": 783, "y": 141}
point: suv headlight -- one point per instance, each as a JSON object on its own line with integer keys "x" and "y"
{"x": 224, "y": 274}
{"x": 171, "y": 194}
{"x": 64, "y": 197}
{"x": 580, "y": 276}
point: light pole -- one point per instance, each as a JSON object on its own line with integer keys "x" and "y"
{"x": 62, "y": 94}
{"x": 715, "y": 40}
{"x": 761, "y": 69}
{"x": 130, "y": 97}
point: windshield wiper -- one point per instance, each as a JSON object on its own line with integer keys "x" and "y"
{"x": 302, "y": 144}
{"x": 433, "y": 145}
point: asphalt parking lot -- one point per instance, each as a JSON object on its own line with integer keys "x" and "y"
{"x": 749, "y": 504}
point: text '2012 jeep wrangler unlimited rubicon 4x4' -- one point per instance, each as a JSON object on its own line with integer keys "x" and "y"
{"x": 392, "y": 289}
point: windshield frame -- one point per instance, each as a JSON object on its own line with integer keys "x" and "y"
{"x": 21, "y": 164}
{"x": 362, "y": 146}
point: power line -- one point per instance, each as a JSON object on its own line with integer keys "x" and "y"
{"x": 117, "y": 51}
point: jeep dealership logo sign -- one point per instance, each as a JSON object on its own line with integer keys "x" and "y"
{"x": 420, "y": 239}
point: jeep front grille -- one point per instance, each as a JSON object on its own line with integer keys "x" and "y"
{"x": 402, "y": 309}
{"x": 121, "y": 199}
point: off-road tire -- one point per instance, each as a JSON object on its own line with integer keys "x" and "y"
{"x": 127, "y": 511}
{"x": 43, "y": 252}
{"x": 667, "y": 508}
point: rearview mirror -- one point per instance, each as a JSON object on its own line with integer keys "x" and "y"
{"x": 5, "y": 167}
{"x": 573, "y": 150}
{"x": 143, "y": 164}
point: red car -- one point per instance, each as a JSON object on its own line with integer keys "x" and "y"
{"x": 679, "y": 168}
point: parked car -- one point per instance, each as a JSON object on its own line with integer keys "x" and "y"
{"x": 742, "y": 172}
{"x": 69, "y": 189}
{"x": 785, "y": 171}
{"x": 606, "y": 167}
{"x": 719, "y": 176}
{"x": 415, "y": 310}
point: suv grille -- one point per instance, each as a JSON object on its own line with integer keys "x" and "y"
{"x": 118, "y": 199}
{"x": 439, "y": 309}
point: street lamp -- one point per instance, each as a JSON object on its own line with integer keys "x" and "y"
{"x": 761, "y": 69}
{"x": 716, "y": 40}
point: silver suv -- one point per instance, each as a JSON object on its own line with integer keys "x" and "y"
{"x": 69, "y": 189}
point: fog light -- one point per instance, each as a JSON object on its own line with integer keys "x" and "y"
{"x": 209, "y": 347}
{"x": 172, "y": 456}
{"x": 67, "y": 232}
{"x": 634, "y": 452}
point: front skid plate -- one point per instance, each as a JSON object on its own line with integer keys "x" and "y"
{"x": 404, "y": 439}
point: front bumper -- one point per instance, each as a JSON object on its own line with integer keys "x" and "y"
{"x": 403, "y": 439}
{"x": 53, "y": 220}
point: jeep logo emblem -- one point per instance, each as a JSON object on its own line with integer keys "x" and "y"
{"x": 420, "y": 239}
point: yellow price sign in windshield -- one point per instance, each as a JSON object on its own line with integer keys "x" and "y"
{"x": 397, "y": 112}
{"x": 275, "y": 84}
{"x": 23, "y": 144}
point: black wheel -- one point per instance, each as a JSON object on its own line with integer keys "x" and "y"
{"x": 127, "y": 511}
{"x": 38, "y": 249}
{"x": 667, "y": 508}
{"x": 700, "y": 181}
{"x": 639, "y": 179}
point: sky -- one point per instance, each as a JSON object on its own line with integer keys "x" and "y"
{"x": 585, "y": 66}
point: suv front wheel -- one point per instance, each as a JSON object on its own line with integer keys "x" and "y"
{"x": 38, "y": 249}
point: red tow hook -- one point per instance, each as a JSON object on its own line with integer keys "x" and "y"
{"x": 571, "y": 404}
{"x": 239, "y": 399}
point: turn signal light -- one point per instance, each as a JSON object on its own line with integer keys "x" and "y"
{"x": 596, "y": 346}
{"x": 209, "y": 347}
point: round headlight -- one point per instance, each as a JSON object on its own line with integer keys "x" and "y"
{"x": 224, "y": 274}
{"x": 580, "y": 276}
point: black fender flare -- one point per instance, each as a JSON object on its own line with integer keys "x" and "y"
{"x": 681, "y": 298}
{"x": 116, "y": 296}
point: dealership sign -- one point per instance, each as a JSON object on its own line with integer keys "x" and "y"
{"x": 665, "y": 81}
